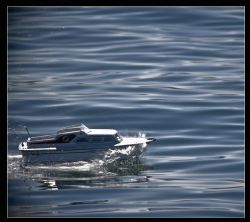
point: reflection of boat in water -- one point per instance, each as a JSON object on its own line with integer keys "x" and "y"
{"x": 76, "y": 143}
{"x": 93, "y": 182}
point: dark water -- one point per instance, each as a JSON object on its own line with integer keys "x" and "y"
{"x": 173, "y": 73}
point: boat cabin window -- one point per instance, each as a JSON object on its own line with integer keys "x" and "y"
{"x": 96, "y": 139}
{"x": 108, "y": 139}
{"x": 65, "y": 138}
{"x": 82, "y": 140}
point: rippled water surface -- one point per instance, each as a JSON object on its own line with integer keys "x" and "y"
{"x": 173, "y": 73}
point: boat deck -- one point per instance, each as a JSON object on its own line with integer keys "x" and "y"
{"x": 42, "y": 138}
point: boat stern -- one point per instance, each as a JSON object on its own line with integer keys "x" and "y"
{"x": 22, "y": 146}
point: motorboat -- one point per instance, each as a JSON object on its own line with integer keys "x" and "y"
{"x": 76, "y": 143}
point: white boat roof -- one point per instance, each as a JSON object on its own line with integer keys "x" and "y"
{"x": 74, "y": 128}
{"x": 102, "y": 132}
{"x": 86, "y": 130}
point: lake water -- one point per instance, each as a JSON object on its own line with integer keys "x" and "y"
{"x": 173, "y": 73}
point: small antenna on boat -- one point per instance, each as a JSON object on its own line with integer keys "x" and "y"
{"x": 27, "y": 130}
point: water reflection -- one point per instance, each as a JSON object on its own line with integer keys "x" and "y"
{"x": 118, "y": 173}
{"x": 78, "y": 183}
{"x": 106, "y": 172}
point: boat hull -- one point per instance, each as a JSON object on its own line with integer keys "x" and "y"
{"x": 67, "y": 153}
{"x": 55, "y": 156}
{"x": 45, "y": 156}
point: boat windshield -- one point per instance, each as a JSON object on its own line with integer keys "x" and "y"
{"x": 84, "y": 128}
{"x": 118, "y": 137}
